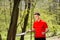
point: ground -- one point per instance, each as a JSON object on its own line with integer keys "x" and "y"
{"x": 54, "y": 38}
{"x": 28, "y": 37}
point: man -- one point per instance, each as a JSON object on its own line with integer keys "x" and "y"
{"x": 39, "y": 28}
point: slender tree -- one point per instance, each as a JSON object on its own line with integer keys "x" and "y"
{"x": 59, "y": 13}
{"x": 0, "y": 37}
{"x": 26, "y": 19}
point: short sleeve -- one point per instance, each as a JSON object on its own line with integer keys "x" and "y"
{"x": 45, "y": 25}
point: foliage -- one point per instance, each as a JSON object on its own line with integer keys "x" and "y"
{"x": 44, "y": 7}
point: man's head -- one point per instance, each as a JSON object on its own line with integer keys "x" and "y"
{"x": 36, "y": 16}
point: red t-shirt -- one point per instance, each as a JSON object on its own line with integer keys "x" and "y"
{"x": 39, "y": 27}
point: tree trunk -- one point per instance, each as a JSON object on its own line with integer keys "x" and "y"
{"x": 59, "y": 13}
{"x": 25, "y": 20}
{"x": 13, "y": 23}
{"x": 0, "y": 37}
{"x": 25, "y": 24}
{"x": 59, "y": 2}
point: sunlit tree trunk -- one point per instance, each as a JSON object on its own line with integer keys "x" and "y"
{"x": 59, "y": 2}
{"x": 54, "y": 6}
{"x": 10, "y": 6}
{"x": 59, "y": 13}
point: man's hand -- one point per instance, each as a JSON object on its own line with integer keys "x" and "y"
{"x": 43, "y": 33}
{"x": 30, "y": 30}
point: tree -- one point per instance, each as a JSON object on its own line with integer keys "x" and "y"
{"x": 0, "y": 37}
{"x": 13, "y": 23}
{"x": 26, "y": 19}
{"x": 59, "y": 13}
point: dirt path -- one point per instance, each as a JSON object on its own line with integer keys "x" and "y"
{"x": 54, "y": 38}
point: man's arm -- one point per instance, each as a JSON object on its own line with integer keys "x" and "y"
{"x": 30, "y": 30}
{"x": 46, "y": 28}
{"x": 45, "y": 31}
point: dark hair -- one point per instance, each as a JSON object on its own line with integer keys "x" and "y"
{"x": 37, "y": 14}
